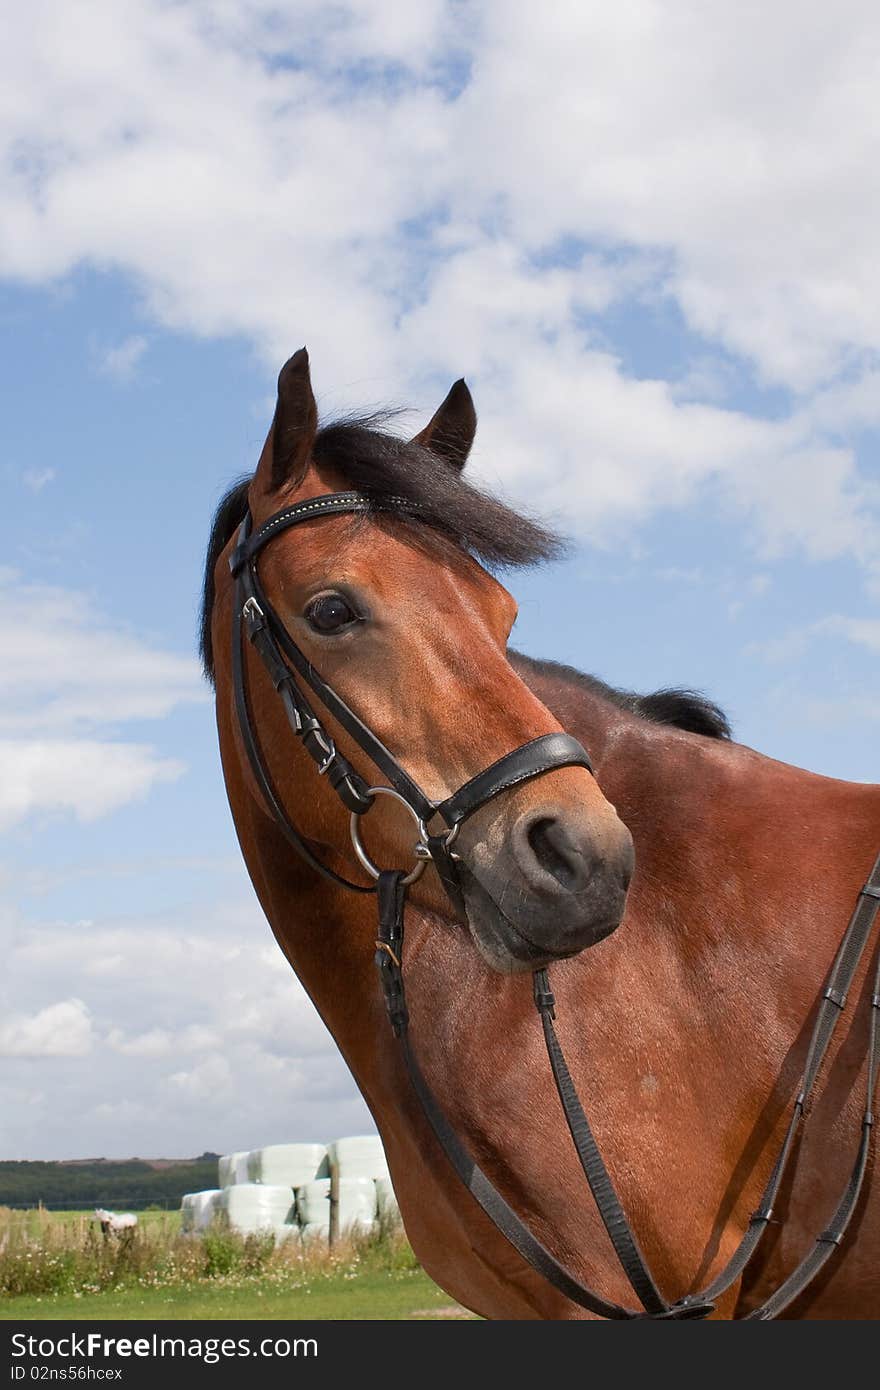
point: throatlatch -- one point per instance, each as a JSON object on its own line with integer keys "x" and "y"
{"x": 283, "y": 659}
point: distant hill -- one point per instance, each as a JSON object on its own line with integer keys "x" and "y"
{"x": 83, "y": 1183}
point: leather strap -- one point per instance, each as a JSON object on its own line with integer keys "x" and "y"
{"x": 500, "y": 1213}
{"x": 249, "y": 546}
{"x": 541, "y": 755}
{"x": 345, "y": 716}
{"x": 607, "y": 1201}
{"x": 842, "y": 972}
{"x": 840, "y": 979}
{"x": 261, "y": 773}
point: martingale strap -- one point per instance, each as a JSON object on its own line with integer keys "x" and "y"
{"x": 389, "y": 962}
{"x": 608, "y": 1203}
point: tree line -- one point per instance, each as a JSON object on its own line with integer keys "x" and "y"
{"x": 106, "y": 1183}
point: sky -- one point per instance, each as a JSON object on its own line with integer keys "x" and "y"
{"x": 645, "y": 233}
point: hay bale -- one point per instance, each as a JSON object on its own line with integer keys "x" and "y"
{"x": 197, "y": 1210}
{"x": 187, "y": 1213}
{"x": 252, "y": 1207}
{"x": 229, "y": 1168}
{"x": 313, "y": 1204}
{"x": 355, "y": 1200}
{"x": 360, "y": 1156}
{"x": 287, "y": 1165}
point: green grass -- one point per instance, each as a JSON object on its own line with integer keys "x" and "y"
{"x": 373, "y": 1295}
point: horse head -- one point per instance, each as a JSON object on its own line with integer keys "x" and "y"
{"x": 394, "y": 609}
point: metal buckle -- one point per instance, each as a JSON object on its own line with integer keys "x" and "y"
{"x": 421, "y": 851}
{"x": 449, "y": 839}
{"x": 329, "y": 751}
{"x": 252, "y": 610}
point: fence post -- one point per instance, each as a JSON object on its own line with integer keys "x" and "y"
{"x": 334, "y": 1204}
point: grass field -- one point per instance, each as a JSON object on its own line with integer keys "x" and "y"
{"x": 58, "y": 1266}
{"x": 368, "y": 1296}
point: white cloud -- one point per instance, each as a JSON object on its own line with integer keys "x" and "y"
{"x": 69, "y": 669}
{"x": 410, "y": 192}
{"x": 68, "y": 681}
{"x": 84, "y": 776}
{"x": 201, "y": 1036}
{"x": 861, "y": 632}
{"x": 119, "y": 362}
{"x": 162, "y": 1042}
{"x": 210, "y": 1079}
{"x": 738, "y": 140}
{"x": 59, "y": 1030}
{"x": 35, "y": 479}
{"x": 864, "y": 632}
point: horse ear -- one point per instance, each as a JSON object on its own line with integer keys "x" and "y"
{"x": 450, "y": 432}
{"x": 294, "y": 426}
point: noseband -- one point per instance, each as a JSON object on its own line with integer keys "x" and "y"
{"x": 254, "y": 617}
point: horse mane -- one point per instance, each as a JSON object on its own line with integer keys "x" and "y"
{"x": 681, "y": 709}
{"x": 381, "y": 465}
{"x": 228, "y": 516}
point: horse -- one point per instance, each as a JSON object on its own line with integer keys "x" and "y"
{"x": 674, "y": 899}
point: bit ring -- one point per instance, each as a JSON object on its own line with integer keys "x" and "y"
{"x": 421, "y": 850}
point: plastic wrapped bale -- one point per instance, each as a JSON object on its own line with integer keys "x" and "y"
{"x": 251, "y": 1207}
{"x": 288, "y": 1165}
{"x": 355, "y": 1204}
{"x": 360, "y": 1156}
{"x": 187, "y": 1213}
{"x": 386, "y": 1202}
{"x": 229, "y": 1168}
{"x": 242, "y": 1162}
{"x": 204, "y": 1207}
{"x": 313, "y": 1207}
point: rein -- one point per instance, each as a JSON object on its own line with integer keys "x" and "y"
{"x": 254, "y": 616}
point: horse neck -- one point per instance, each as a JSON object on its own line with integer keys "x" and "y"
{"x": 746, "y": 868}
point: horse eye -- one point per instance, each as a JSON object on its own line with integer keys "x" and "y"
{"x": 329, "y": 613}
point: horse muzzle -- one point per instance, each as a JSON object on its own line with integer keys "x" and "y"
{"x": 548, "y": 887}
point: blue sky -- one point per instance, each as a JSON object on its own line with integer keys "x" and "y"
{"x": 664, "y": 293}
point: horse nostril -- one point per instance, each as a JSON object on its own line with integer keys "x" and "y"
{"x": 557, "y": 854}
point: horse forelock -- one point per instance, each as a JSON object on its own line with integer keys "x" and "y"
{"x": 383, "y": 466}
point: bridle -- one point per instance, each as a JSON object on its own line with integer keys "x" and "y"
{"x": 254, "y": 617}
